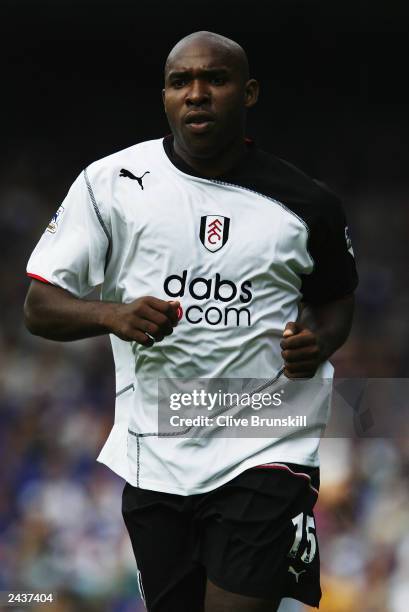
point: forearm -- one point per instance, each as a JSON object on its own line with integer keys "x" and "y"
{"x": 331, "y": 322}
{"x": 56, "y": 314}
{"x": 65, "y": 317}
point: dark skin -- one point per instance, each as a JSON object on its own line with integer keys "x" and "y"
{"x": 318, "y": 332}
{"x": 206, "y": 96}
{"x": 56, "y": 314}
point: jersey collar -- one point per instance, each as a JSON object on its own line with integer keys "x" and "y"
{"x": 181, "y": 165}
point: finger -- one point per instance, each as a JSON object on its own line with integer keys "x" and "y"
{"x": 162, "y": 319}
{"x": 168, "y": 308}
{"x": 298, "y": 375}
{"x": 150, "y": 337}
{"x": 301, "y": 366}
{"x": 171, "y": 312}
{"x": 304, "y": 338}
{"x": 302, "y": 354}
{"x": 141, "y": 338}
{"x": 159, "y": 319}
{"x": 153, "y": 330}
{"x": 179, "y": 309}
{"x": 290, "y": 329}
{"x": 176, "y": 312}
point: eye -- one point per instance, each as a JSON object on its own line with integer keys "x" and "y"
{"x": 179, "y": 83}
{"x": 218, "y": 80}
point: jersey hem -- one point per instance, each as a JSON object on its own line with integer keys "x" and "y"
{"x": 163, "y": 487}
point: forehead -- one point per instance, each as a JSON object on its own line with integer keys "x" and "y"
{"x": 201, "y": 55}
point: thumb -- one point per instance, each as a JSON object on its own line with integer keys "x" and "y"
{"x": 291, "y": 329}
{"x": 178, "y": 308}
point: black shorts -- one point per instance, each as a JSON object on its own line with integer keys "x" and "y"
{"x": 254, "y": 536}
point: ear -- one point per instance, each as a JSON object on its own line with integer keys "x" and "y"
{"x": 163, "y": 98}
{"x": 251, "y": 90}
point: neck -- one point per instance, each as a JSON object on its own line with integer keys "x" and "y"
{"x": 215, "y": 165}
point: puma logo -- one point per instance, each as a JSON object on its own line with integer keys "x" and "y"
{"x": 296, "y": 574}
{"x": 128, "y": 174}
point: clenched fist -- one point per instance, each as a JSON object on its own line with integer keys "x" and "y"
{"x": 145, "y": 320}
{"x": 301, "y": 351}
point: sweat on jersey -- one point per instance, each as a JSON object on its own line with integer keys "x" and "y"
{"x": 240, "y": 252}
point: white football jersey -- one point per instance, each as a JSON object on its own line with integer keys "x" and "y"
{"x": 239, "y": 252}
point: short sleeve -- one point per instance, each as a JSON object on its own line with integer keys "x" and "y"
{"x": 334, "y": 274}
{"x": 73, "y": 250}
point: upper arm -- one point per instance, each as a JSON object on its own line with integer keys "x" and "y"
{"x": 346, "y": 302}
{"x": 335, "y": 315}
{"x": 334, "y": 275}
{"x": 39, "y": 291}
{"x": 40, "y": 297}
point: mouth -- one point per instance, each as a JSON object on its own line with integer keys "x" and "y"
{"x": 199, "y": 122}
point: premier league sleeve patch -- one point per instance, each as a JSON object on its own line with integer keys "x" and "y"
{"x": 214, "y": 232}
{"x": 348, "y": 241}
{"x": 53, "y": 225}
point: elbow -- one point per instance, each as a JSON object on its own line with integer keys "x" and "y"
{"x": 31, "y": 321}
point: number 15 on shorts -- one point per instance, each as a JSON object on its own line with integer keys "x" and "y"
{"x": 304, "y": 534}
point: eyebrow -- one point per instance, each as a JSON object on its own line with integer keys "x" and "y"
{"x": 174, "y": 74}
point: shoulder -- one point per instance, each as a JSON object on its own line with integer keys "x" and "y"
{"x": 99, "y": 180}
{"x": 305, "y": 196}
{"x": 133, "y": 159}
{"x": 293, "y": 180}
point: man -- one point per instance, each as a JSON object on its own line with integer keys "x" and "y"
{"x": 216, "y": 260}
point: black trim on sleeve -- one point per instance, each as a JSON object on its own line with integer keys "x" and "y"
{"x": 334, "y": 275}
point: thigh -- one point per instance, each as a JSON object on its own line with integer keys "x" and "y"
{"x": 163, "y": 536}
{"x": 220, "y": 600}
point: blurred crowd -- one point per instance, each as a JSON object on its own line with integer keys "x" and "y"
{"x": 61, "y": 528}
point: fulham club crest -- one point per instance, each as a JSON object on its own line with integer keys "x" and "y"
{"x": 214, "y": 232}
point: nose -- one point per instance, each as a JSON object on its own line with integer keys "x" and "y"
{"x": 198, "y": 93}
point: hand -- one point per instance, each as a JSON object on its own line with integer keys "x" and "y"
{"x": 301, "y": 351}
{"x": 145, "y": 320}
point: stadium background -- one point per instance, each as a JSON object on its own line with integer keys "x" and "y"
{"x": 83, "y": 79}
